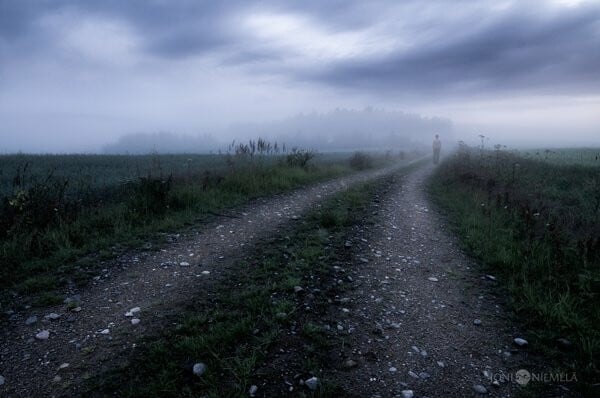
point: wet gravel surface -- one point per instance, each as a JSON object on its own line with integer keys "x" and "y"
{"x": 43, "y": 355}
{"x": 420, "y": 318}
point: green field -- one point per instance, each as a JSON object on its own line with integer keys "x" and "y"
{"x": 100, "y": 171}
{"x": 59, "y": 213}
{"x": 97, "y": 172}
{"x": 536, "y": 223}
{"x": 565, "y": 156}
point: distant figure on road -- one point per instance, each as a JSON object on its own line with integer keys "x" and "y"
{"x": 437, "y": 146}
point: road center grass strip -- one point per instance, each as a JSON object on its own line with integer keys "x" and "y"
{"x": 262, "y": 308}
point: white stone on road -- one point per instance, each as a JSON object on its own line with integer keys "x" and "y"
{"x": 199, "y": 369}
{"x": 52, "y": 316}
{"x": 520, "y": 342}
{"x": 312, "y": 383}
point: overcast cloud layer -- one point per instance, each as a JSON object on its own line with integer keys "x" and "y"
{"x": 74, "y": 75}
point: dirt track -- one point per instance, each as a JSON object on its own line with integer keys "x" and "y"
{"x": 95, "y": 338}
{"x": 419, "y": 316}
{"x": 423, "y": 316}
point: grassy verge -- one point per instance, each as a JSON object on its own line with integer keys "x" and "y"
{"x": 41, "y": 252}
{"x": 537, "y": 226}
{"x": 260, "y": 329}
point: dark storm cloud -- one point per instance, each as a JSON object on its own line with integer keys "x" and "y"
{"x": 17, "y": 31}
{"x": 172, "y": 29}
{"x": 181, "y": 27}
{"x": 168, "y": 29}
{"x": 13, "y": 19}
{"x": 530, "y": 45}
{"x": 190, "y": 28}
{"x": 521, "y": 51}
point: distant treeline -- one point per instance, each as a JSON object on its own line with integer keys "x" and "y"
{"x": 339, "y": 130}
{"x": 350, "y": 130}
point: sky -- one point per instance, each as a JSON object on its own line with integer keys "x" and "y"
{"x": 76, "y": 75}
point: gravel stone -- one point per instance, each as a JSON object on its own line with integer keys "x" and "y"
{"x": 479, "y": 389}
{"x": 312, "y": 383}
{"x": 252, "y": 390}
{"x": 520, "y": 342}
{"x": 564, "y": 343}
{"x": 199, "y": 368}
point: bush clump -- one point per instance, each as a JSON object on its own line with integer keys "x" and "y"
{"x": 361, "y": 161}
{"x": 299, "y": 157}
{"x": 34, "y": 205}
{"x": 150, "y": 195}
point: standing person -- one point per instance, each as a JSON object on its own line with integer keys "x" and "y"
{"x": 437, "y": 146}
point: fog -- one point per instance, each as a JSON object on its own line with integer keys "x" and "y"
{"x": 89, "y": 76}
{"x": 340, "y": 130}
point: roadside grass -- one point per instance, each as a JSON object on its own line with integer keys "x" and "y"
{"x": 256, "y": 312}
{"x": 37, "y": 258}
{"x": 538, "y": 226}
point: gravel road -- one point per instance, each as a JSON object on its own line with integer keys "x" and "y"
{"x": 53, "y": 351}
{"x": 421, "y": 318}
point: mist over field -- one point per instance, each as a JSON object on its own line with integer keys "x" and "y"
{"x": 83, "y": 76}
{"x": 340, "y": 130}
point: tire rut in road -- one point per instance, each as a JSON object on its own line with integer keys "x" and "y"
{"x": 98, "y": 334}
{"x": 420, "y": 315}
